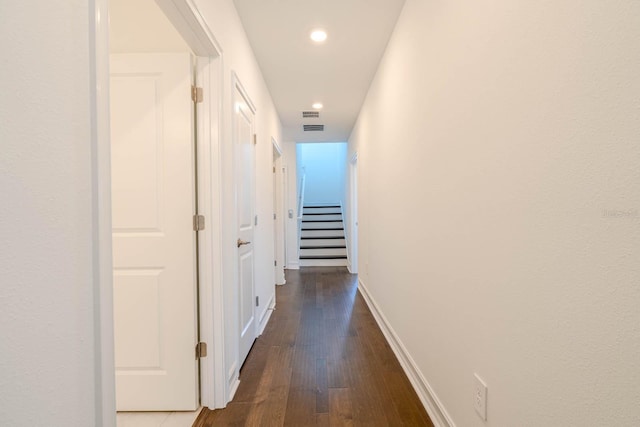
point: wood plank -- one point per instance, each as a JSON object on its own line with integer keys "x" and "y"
{"x": 341, "y": 411}
{"x": 322, "y": 360}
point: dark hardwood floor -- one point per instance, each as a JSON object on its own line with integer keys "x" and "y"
{"x": 321, "y": 361}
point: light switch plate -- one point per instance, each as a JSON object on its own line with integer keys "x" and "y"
{"x": 480, "y": 396}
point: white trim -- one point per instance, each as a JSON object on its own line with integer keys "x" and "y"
{"x": 266, "y": 314}
{"x": 232, "y": 381}
{"x": 276, "y": 146}
{"x": 104, "y": 359}
{"x": 212, "y": 389}
{"x": 293, "y": 266}
{"x": 185, "y": 16}
{"x": 237, "y": 84}
{"x": 432, "y": 404}
{"x": 188, "y": 21}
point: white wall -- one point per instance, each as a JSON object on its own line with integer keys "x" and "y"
{"x": 222, "y": 18}
{"x": 50, "y": 357}
{"x": 499, "y": 171}
{"x": 324, "y": 165}
{"x": 127, "y": 35}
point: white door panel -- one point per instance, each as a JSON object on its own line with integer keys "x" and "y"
{"x": 153, "y": 201}
{"x": 245, "y": 197}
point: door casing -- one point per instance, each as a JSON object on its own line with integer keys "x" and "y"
{"x": 186, "y": 18}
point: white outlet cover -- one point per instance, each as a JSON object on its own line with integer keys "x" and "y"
{"x": 480, "y": 396}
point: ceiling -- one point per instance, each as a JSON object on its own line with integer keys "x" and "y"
{"x": 300, "y": 72}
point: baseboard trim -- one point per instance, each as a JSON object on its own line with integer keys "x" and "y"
{"x": 432, "y": 404}
{"x": 292, "y": 266}
{"x": 232, "y": 381}
{"x": 266, "y": 314}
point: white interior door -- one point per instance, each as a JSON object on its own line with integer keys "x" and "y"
{"x": 245, "y": 198}
{"x": 154, "y": 246}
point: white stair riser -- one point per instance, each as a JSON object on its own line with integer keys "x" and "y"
{"x": 319, "y": 252}
{"x": 323, "y": 262}
{"x": 322, "y": 233}
{"x": 321, "y": 217}
{"x": 321, "y": 225}
{"x": 322, "y": 242}
{"x": 335, "y": 211}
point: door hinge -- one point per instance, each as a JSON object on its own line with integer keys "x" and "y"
{"x": 274, "y": 216}
{"x": 275, "y": 263}
{"x": 257, "y": 301}
{"x": 256, "y": 220}
{"x": 255, "y": 139}
{"x": 201, "y": 350}
{"x": 274, "y": 169}
{"x": 198, "y": 222}
{"x": 197, "y": 95}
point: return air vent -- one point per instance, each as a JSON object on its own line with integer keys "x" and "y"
{"x": 310, "y": 114}
{"x": 313, "y": 128}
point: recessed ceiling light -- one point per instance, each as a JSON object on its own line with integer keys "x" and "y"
{"x": 318, "y": 36}
{"x": 317, "y": 105}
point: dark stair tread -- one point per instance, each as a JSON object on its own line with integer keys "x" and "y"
{"x": 319, "y": 220}
{"x": 321, "y": 237}
{"x": 323, "y": 257}
{"x": 323, "y": 247}
{"x": 324, "y": 213}
{"x": 321, "y": 207}
{"x": 322, "y": 229}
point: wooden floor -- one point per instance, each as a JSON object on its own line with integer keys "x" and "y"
{"x": 322, "y": 361}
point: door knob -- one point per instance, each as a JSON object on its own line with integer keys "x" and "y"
{"x": 242, "y": 242}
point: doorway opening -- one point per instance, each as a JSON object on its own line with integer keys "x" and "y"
{"x": 148, "y": 168}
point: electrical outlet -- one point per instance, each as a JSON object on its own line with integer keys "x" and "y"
{"x": 480, "y": 396}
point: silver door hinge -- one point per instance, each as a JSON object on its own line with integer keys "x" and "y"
{"x": 198, "y": 222}
{"x": 274, "y": 169}
{"x": 201, "y": 350}
{"x": 197, "y": 95}
{"x": 274, "y": 216}
{"x": 256, "y": 220}
{"x": 257, "y": 301}
{"x": 275, "y": 263}
{"x": 255, "y": 139}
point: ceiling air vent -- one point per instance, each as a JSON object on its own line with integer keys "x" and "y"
{"x": 313, "y": 128}
{"x": 310, "y": 114}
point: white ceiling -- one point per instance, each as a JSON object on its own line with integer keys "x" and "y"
{"x": 299, "y": 72}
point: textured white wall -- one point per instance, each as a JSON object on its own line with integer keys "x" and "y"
{"x": 47, "y": 360}
{"x": 499, "y": 167}
{"x": 222, "y": 18}
{"x": 127, "y": 35}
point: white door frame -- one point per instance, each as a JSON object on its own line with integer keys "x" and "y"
{"x": 353, "y": 214}
{"x": 278, "y": 210}
{"x": 186, "y": 18}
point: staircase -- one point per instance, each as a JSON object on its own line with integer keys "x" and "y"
{"x": 322, "y": 240}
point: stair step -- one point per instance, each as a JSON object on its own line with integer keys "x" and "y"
{"x": 323, "y": 226}
{"x": 324, "y": 247}
{"x": 323, "y": 213}
{"x": 321, "y": 217}
{"x": 321, "y": 220}
{"x": 311, "y": 211}
{"x": 324, "y": 234}
{"x": 341, "y": 237}
{"x": 322, "y": 253}
{"x": 321, "y": 206}
{"x": 323, "y": 257}
{"x": 323, "y": 262}
{"x": 310, "y": 242}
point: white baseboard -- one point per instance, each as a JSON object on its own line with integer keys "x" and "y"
{"x": 266, "y": 314}
{"x": 292, "y": 266}
{"x": 432, "y": 404}
{"x": 232, "y": 381}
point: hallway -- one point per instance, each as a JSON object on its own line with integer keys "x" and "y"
{"x": 322, "y": 360}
